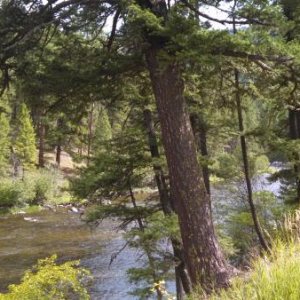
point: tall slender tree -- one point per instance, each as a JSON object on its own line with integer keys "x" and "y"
{"x": 182, "y": 279}
{"x": 4, "y": 141}
{"x": 24, "y": 144}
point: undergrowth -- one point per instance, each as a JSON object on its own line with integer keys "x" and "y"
{"x": 274, "y": 276}
{"x": 48, "y": 281}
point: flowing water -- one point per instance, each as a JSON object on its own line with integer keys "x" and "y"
{"x": 26, "y": 238}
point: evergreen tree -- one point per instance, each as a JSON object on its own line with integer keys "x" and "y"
{"x": 114, "y": 172}
{"x": 103, "y": 130}
{"x": 4, "y": 142}
{"x": 24, "y": 145}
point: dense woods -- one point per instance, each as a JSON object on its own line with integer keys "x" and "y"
{"x": 172, "y": 118}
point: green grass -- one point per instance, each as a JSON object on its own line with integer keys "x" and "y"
{"x": 27, "y": 209}
{"x": 275, "y": 276}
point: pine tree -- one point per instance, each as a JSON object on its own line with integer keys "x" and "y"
{"x": 103, "y": 130}
{"x": 24, "y": 145}
{"x": 153, "y": 26}
{"x": 4, "y": 141}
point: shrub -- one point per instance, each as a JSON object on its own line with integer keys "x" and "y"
{"x": 225, "y": 166}
{"x": 39, "y": 186}
{"x": 10, "y": 194}
{"x": 261, "y": 164}
{"x": 50, "y": 281}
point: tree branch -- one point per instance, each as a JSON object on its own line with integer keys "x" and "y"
{"x": 114, "y": 28}
{"x": 223, "y": 22}
{"x": 253, "y": 57}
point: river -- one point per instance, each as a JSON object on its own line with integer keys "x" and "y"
{"x": 24, "y": 238}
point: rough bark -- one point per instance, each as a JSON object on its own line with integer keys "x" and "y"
{"x": 205, "y": 261}
{"x": 246, "y": 166}
{"x": 182, "y": 278}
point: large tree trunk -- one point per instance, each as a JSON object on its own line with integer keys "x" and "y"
{"x": 205, "y": 261}
{"x": 182, "y": 278}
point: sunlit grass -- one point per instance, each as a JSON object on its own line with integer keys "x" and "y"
{"x": 274, "y": 276}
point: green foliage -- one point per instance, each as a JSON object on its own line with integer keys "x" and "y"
{"x": 40, "y": 186}
{"x": 273, "y": 277}
{"x": 228, "y": 244}
{"x": 4, "y": 142}
{"x": 227, "y": 166}
{"x": 144, "y": 18}
{"x": 24, "y": 144}
{"x": 33, "y": 209}
{"x": 10, "y": 194}
{"x": 239, "y": 226}
{"x": 48, "y": 281}
{"x": 153, "y": 240}
{"x": 123, "y": 212}
{"x": 37, "y": 187}
{"x": 157, "y": 228}
{"x": 103, "y": 130}
{"x": 161, "y": 226}
{"x": 121, "y": 163}
{"x": 261, "y": 164}
{"x": 240, "y": 229}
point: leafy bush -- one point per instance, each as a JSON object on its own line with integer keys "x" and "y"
{"x": 37, "y": 187}
{"x": 10, "y": 194}
{"x": 50, "y": 281}
{"x": 227, "y": 166}
{"x": 261, "y": 164}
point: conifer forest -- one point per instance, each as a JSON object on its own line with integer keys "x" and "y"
{"x": 150, "y": 149}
